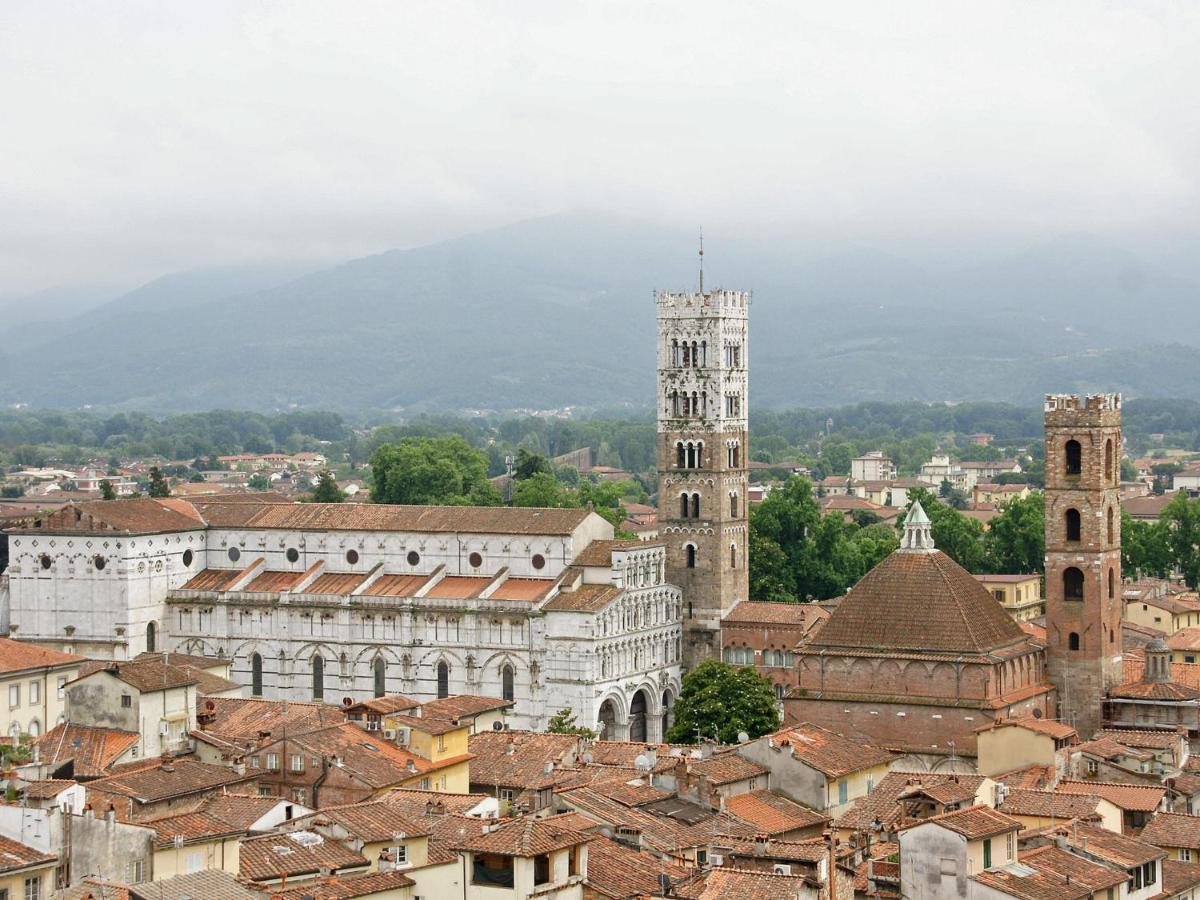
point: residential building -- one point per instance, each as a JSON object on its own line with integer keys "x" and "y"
{"x": 296, "y": 856}
{"x": 1020, "y": 595}
{"x": 1179, "y": 835}
{"x": 1166, "y": 611}
{"x": 526, "y": 857}
{"x": 33, "y": 681}
{"x": 25, "y": 872}
{"x": 703, "y": 449}
{"x": 1008, "y": 744}
{"x": 154, "y": 789}
{"x": 940, "y": 854}
{"x": 519, "y": 767}
{"x": 873, "y": 466}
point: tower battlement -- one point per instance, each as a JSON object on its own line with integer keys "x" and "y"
{"x": 1072, "y": 410}
{"x": 696, "y": 303}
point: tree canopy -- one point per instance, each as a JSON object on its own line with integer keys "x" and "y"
{"x": 158, "y": 484}
{"x": 327, "y": 490}
{"x": 442, "y": 470}
{"x": 719, "y": 701}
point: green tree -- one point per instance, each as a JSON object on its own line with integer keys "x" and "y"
{"x": 836, "y": 456}
{"x": 563, "y": 722}
{"x": 530, "y": 464}
{"x": 1015, "y": 542}
{"x": 259, "y": 482}
{"x": 1129, "y": 471}
{"x": 441, "y": 470}
{"x": 327, "y": 490}
{"x": 1182, "y": 518}
{"x": 954, "y": 534}
{"x": 542, "y": 490}
{"x": 719, "y": 701}
{"x": 1145, "y": 548}
{"x": 158, "y": 484}
{"x": 107, "y": 491}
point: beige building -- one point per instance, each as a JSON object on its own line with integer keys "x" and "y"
{"x": 1015, "y": 743}
{"x": 939, "y": 855}
{"x": 32, "y": 688}
{"x": 1020, "y": 595}
{"x": 1167, "y": 613}
{"x": 873, "y": 466}
{"x": 524, "y": 858}
{"x": 25, "y": 872}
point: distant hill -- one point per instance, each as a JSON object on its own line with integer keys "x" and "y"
{"x": 559, "y": 311}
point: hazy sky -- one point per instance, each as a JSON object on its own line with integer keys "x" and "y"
{"x": 144, "y": 137}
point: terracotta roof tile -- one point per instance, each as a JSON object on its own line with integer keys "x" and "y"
{"x": 599, "y": 553}
{"x": 830, "y": 753}
{"x": 762, "y": 612}
{"x": 211, "y": 884}
{"x": 90, "y": 750}
{"x": 1029, "y": 778}
{"x": 1054, "y": 860}
{"x": 772, "y": 813}
{"x": 14, "y": 855}
{"x": 239, "y": 810}
{"x": 385, "y": 517}
{"x": 736, "y": 884}
{"x": 1057, "y": 730}
{"x": 884, "y": 802}
{"x": 18, "y": 656}
{"x": 1149, "y": 740}
{"x": 270, "y": 581}
{"x": 131, "y": 516}
{"x": 240, "y": 721}
{"x": 585, "y": 598}
{"x": 164, "y": 780}
{"x": 635, "y": 792}
{"x": 1107, "y": 845}
{"x": 525, "y": 766}
{"x": 294, "y": 853}
{"x": 392, "y": 703}
{"x": 189, "y": 828}
{"x": 374, "y": 761}
{"x": 344, "y": 888}
{"x": 974, "y": 822}
{"x": 527, "y": 589}
{"x": 526, "y": 838}
{"x": 1172, "y": 830}
{"x": 1037, "y": 886}
{"x": 1137, "y": 797}
{"x": 617, "y": 871}
{"x": 46, "y": 788}
{"x": 415, "y": 803}
{"x": 146, "y": 674}
{"x": 374, "y": 821}
{"x": 1178, "y": 876}
{"x": 461, "y": 706}
{"x": 335, "y": 583}
{"x": 212, "y": 580}
{"x": 919, "y": 601}
{"x": 1050, "y": 804}
{"x": 458, "y": 587}
{"x": 1154, "y": 690}
{"x": 727, "y": 768}
{"x": 395, "y": 585}
{"x": 1106, "y": 748}
{"x": 657, "y": 832}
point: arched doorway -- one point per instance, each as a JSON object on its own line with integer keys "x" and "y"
{"x": 608, "y": 721}
{"x": 637, "y": 717}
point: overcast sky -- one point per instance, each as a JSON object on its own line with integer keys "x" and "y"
{"x": 144, "y": 137}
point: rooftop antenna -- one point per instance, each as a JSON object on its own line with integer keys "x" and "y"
{"x": 702, "y": 259}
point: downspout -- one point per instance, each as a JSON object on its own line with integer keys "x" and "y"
{"x": 320, "y": 780}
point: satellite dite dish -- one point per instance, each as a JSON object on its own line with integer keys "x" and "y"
{"x": 664, "y": 883}
{"x": 642, "y": 762}
{"x": 497, "y": 726}
{"x": 1037, "y": 713}
{"x": 743, "y": 737}
{"x": 346, "y": 701}
{"x": 588, "y": 758}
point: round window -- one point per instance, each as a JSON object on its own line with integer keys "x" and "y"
{"x": 539, "y": 561}
{"x": 45, "y": 560}
{"x": 352, "y": 556}
{"x": 234, "y": 554}
{"x": 413, "y": 557}
{"x": 292, "y": 554}
{"x": 475, "y": 560}
{"x": 188, "y": 556}
{"x": 99, "y": 562}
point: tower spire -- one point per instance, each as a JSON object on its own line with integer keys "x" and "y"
{"x": 918, "y": 531}
{"x": 702, "y": 259}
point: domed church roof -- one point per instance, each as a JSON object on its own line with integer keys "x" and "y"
{"x": 919, "y": 600}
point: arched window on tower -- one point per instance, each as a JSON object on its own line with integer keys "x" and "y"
{"x": 675, "y": 353}
{"x": 318, "y": 677}
{"x": 1073, "y": 526}
{"x": 733, "y": 556}
{"x": 733, "y": 506}
{"x": 679, "y": 455}
{"x": 704, "y": 403}
{"x": 1072, "y": 584}
{"x": 1073, "y": 641}
{"x": 695, "y": 403}
{"x": 443, "y": 680}
{"x": 691, "y": 456}
{"x": 675, "y": 403}
{"x": 506, "y": 682}
{"x": 1074, "y": 457}
{"x": 1112, "y": 526}
{"x": 1112, "y": 583}
{"x": 687, "y": 355}
{"x": 379, "y": 673}
{"x": 695, "y": 506}
{"x": 695, "y": 354}
{"x": 151, "y": 637}
{"x": 256, "y": 680}
{"x": 691, "y": 561}
{"x": 683, "y": 506}
{"x": 704, "y": 353}
{"x": 1108, "y": 461}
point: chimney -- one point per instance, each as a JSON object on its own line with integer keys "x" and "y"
{"x": 385, "y": 862}
{"x": 706, "y": 749}
{"x": 411, "y": 766}
{"x": 762, "y": 841}
{"x": 512, "y": 745}
{"x": 111, "y": 815}
{"x": 652, "y": 755}
{"x": 239, "y": 766}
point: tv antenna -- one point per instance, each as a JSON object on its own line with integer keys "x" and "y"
{"x": 702, "y": 259}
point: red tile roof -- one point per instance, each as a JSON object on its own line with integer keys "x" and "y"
{"x": 240, "y": 721}
{"x": 1172, "y": 830}
{"x": 525, "y": 766}
{"x": 1136, "y": 797}
{"x": 1057, "y": 861}
{"x": 462, "y": 706}
{"x": 1057, "y": 730}
{"x": 146, "y": 674}
{"x": 90, "y": 750}
{"x": 1037, "y": 886}
{"x": 526, "y": 838}
{"x": 619, "y": 872}
{"x": 773, "y": 813}
{"x": 1049, "y": 804}
{"x": 127, "y": 517}
{"x": 726, "y": 769}
{"x": 372, "y": 822}
{"x": 212, "y": 580}
{"x": 335, "y": 583}
{"x": 738, "y": 884}
{"x": 918, "y": 601}
{"x": 762, "y": 612}
{"x": 974, "y": 822}
{"x": 272, "y": 856}
{"x": 584, "y": 598}
{"x": 15, "y": 856}
{"x": 1178, "y": 876}
{"x": 166, "y": 780}
{"x": 19, "y": 656}
{"x": 828, "y": 752}
{"x": 345, "y": 888}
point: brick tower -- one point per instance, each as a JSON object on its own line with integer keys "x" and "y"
{"x": 1083, "y": 553}
{"x": 702, "y": 453}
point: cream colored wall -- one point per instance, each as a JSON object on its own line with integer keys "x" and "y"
{"x": 14, "y": 884}
{"x": 1110, "y": 819}
{"x": 860, "y": 783}
{"x": 49, "y": 706}
{"x": 444, "y": 880}
{"x": 484, "y": 721}
{"x": 1011, "y": 747}
{"x": 418, "y": 851}
{"x": 217, "y": 854}
{"x": 1000, "y": 854}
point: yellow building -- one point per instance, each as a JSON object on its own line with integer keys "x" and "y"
{"x": 444, "y": 742}
{"x": 1167, "y": 614}
{"x": 33, "y": 689}
{"x": 1015, "y": 743}
{"x": 1020, "y": 595}
{"x": 1185, "y": 645}
{"x": 1178, "y": 835}
{"x": 188, "y": 843}
{"x": 374, "y": 829}
{"x": 1041, "y": 809}
{"x": 938, "y": 852}
{"x": 25, "y": 873}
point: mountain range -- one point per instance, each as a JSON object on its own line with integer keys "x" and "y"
{"x": 559, "y": 311}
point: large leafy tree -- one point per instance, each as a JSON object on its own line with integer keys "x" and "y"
{"x": 1145, "y": 548}
{"x": 1015, "y": 542}
{"x": 441, "y": 470}
{"x": 719, "y": 701}
{"x": 158, "y": 484}
{"x": 798, "y": 554}
{"x": 327, "y": 490}
{"x": 1182, "y": 519}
